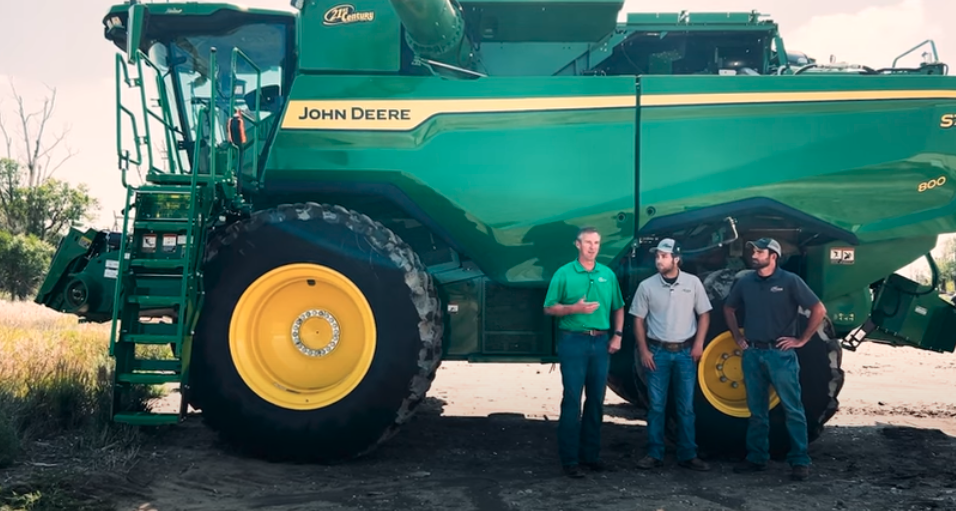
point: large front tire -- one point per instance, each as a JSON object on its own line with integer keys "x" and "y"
{"x": 320, "y": 334}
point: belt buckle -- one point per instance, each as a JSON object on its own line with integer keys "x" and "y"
{"x": 673, "y": 346}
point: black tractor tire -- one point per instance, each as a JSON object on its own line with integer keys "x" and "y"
{"x": 621, "y": 378}
{"x": 407, "y": 317}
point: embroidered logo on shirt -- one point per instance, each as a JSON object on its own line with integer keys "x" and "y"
{"x": 602, "y": 279}
{"x": 776, "y": 289}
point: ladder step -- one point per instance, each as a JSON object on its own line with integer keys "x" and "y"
{"x": 166, "y": 224}
{"x": 158, "y": 264}
{"x": 154, "y": 301}
{"x": 148, "y": 378}
{"x": 177, "y": 179}
{"x": 150, "y": 339}
{"x": 146, "y": 418}
{"x": 164, "y": 189}
{"x": 147, "y": 364}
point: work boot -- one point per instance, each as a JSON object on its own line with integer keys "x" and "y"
{"x": 573, "y": 471}
{"x": 749, "y": 466}
{"x": 695, "y": 464}
{"x": 649, "y": 462}
{"x": 799, "y": 472}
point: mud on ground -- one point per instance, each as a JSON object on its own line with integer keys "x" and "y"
{"x": 485, "y": 440}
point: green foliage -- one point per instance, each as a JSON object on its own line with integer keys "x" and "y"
{"x": 23, "y": 263}
{"x": 45, "y": 210}
{"x": 947, "y": 263}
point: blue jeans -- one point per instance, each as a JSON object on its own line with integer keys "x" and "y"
{"x": 781, "y": 368}
{"x": 677, "y": 367}
{"x": 584, "y": 363}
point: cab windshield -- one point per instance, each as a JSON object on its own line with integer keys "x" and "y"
{"x": 184, "y": 63}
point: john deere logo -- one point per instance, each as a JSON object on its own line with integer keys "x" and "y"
{"x": 345, "y": 14}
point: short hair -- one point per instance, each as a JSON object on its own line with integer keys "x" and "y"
{"x": 585, "y": 230}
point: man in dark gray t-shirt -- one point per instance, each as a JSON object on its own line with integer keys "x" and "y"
{"x": 770, "y": 297}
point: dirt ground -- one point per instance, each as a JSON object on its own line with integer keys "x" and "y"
{"x": 486, "y": 441}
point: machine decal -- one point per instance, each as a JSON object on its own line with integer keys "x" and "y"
{"x": 946, "y": 121}
{"x": 842, "y": 255}
{"x": 149, "y": 243}
{"x": 649, "y": 100}
{"x": 345, "y": 14}
{"x": 932, "y": 183}
{"x": 111, "y": 270}
{"x": 398, "y": 115}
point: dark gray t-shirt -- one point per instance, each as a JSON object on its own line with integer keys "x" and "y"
{"x": 770, "y": 304}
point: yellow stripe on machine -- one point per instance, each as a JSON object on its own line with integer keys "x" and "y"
{"x": 407, "y": 114}
{"x": 732, "y": 98}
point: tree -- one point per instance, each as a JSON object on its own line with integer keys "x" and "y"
{"x": 32, "y": 202}
{"x": 37, "y": 154}
{"x": 36, "y": 209}
{"x": 947, "y": 262}
{"x": 23, "y": 261}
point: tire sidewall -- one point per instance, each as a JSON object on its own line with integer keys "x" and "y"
{"x": 369, "y": 409}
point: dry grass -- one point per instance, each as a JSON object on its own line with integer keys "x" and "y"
{"x": 55, "y": 403}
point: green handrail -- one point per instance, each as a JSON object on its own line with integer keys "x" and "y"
{"x": 932, "y": 45}
{"x": 123, "y": 154}
{"x": 169, "y": 129}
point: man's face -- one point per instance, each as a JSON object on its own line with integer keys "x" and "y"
{"x": 588, "y": 245}
{"x": 760, "y": 258}
{"x": 665, "y": 261}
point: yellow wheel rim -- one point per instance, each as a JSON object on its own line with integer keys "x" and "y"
{"x": 721, "y": 377}
{"x": 302, "y": 336}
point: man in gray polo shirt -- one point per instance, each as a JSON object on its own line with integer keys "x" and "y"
{"x": 676, "y": 310}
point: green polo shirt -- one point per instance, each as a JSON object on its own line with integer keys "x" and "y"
{"x": 572, "y": 282}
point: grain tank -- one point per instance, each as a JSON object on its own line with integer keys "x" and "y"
{"x": 340, "y": 196}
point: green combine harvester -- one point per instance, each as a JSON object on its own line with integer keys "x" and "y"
{"x": 336, "y": 198}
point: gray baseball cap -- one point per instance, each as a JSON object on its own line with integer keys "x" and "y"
{"x": 667, "y": 245}
{"x": 767, "y": 243}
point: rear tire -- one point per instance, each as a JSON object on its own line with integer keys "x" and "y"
{"x": 387, "y": 319}
{"x": 621, "y": 378}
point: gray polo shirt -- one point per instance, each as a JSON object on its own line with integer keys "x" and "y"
{"x": 670, "y": 310}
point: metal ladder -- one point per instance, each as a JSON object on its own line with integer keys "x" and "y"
{"x": 158, "y": 291}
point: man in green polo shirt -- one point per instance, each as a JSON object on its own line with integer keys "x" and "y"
{"x": 584, "y": 294}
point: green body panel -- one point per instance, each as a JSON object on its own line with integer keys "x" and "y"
{"x": 327, "y": 28}
{"x": 513, "y": 210}
{"x": 827, "y": 158}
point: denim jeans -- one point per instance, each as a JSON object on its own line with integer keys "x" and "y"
{"x": 584, "y": 363}
{"x": 781, "y": 368}
{"x": 677, "y": 367}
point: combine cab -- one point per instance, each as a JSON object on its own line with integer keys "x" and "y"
{"x": 338, "y": 197}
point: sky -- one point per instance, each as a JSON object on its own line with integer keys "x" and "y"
{"x": 67, "y": 50}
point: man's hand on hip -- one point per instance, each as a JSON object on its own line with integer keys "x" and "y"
{"x": 787, "y": 343}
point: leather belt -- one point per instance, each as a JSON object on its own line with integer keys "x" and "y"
{"x": 762, "y": 345}
{"x": 671, "y": 346}
{"x": 592, "y": 333}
